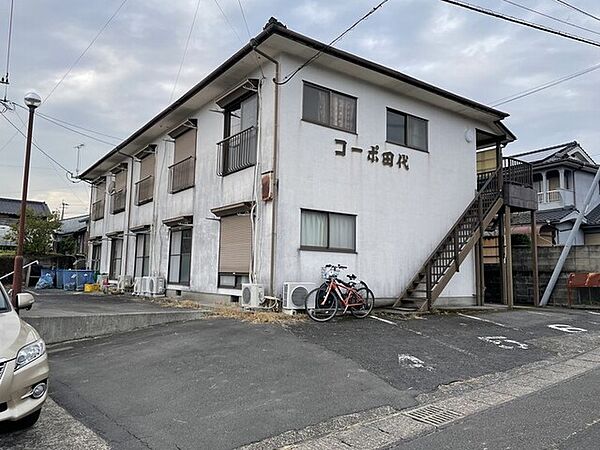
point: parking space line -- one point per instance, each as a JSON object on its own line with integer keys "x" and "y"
{"x": 594, "y": 312}
{"x": 483, "y": 320}
{"x": 389, "y": 322}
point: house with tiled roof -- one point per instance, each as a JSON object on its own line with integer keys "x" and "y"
{"x": 10, "y": 209}
{"x": 562, "y": 175}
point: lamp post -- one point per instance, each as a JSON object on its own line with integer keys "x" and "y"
{"x": 32, "y": 101}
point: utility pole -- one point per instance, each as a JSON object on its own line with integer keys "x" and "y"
{"x": 32, "y": 100}
{"x": 62, "y": 213}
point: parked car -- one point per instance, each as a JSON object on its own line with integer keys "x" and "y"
{"x": 23, "y": 366}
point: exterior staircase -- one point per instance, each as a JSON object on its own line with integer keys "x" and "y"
{"x": 429, "y": 282}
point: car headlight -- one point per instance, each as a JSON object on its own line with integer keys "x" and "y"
{"x": 30, "y": 353}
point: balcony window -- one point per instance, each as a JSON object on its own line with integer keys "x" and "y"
{"x": 182, "y": 171}
{"x": 119, "y": 194}
{"x": 238, "y": 150}
{"x": 98, "y": 209}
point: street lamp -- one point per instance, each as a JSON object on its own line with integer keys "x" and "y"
{"x": 32, "y": 101}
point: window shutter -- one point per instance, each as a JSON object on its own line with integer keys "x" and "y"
{"x": 147, "y": 166}
{"x": 235, "y": 248}
{"x": 185, "y": 146}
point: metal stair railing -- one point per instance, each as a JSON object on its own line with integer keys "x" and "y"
{"x": 451, "y": 251}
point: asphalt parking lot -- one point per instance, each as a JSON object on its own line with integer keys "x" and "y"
{"x": 220, "y": 383}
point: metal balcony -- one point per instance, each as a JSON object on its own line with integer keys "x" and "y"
{"x": 182, "y": 175}
{"x": 237, "y": 152}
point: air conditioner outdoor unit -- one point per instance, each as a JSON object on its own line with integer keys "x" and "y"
{"x": 294, "y": 294}
{"x": 252, "y": 295}
{"x": 124, "y": 282}
{"x": 137, "y": 286}
{"x": 156, "y": 286}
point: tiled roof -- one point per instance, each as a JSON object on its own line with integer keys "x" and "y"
{"x": 12, "y": 207}
{"x": 551, "y": 215}
{"x": 593, "y": 217}
{"x": 73, "y": 224}
{"x": 555, "y": 153}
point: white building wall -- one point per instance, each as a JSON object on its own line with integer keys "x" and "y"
{"x": 401, "y": 215}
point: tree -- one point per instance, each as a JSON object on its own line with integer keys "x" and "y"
{"x": 39, "y": 233}
{"x": 67, "y": 246}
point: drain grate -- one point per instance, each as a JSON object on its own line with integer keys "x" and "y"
{"x": 433, "y": 415}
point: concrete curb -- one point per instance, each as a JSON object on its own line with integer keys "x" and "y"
{"x": 67, "y": 328}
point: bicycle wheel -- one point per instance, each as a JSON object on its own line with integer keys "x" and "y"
{"x": 321, "y": 307}
{"x": 368, "y": 301}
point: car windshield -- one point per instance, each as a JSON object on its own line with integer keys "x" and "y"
{"x": 4, "y": 305}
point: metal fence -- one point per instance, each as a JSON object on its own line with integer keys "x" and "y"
{"x": 98, "y": 210}
{"x": 237, "y": 152}
{"x": 144, "y": 190}
{"x": 118, "y": 200}
{"x": 181, "y": 175}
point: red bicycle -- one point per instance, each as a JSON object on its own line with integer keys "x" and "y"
{"x": 323, "y": 303}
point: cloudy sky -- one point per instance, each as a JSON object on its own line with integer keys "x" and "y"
{"x": 128, "y": 74}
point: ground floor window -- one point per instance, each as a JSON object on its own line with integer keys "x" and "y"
{"x": 116, "y": 255}
{"x": 96, "y": 254}
{"x": 235, "y": 250}
{"x": 327, "y": 231}
{"x": 142, "y": 255}
{"x": 180, "y": 256}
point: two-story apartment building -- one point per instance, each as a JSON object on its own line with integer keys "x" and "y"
{"x": 263, "y": 173}
{"x": 562, "y": 176}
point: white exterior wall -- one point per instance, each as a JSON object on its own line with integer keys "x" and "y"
{"x": 401, "y": 215}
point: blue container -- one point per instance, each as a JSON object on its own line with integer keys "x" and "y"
{"x": 52, "y": 273}
{"x": 76, "y": 279}
{"x": 59, "y": 278}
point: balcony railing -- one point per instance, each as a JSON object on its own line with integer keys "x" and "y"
{"x": 144, "y": 190}
{"x": 98, "y": 210}
{"x": 517, "y": 172}
{"x": 181, "y": 175}
{"x": 237, "y": 152}
{"x": 118, "y": 200}
{"x": 556, "y": 198}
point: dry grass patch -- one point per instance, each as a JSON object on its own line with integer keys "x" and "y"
{"x": 235, "y": 312}
{"x": 166, "y": 302}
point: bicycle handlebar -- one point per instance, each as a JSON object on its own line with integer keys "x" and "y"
{"x": 337, "y": 266}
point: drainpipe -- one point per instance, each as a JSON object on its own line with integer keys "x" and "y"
{"x": 274, "y": 168}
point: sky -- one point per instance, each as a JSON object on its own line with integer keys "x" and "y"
{"x": 127, "y": 76}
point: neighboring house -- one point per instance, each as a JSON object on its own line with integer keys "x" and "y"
{"x": 75, "y": 228}
{"x": 350, "y": 162}
{"x": 562, "y": 176}
{"x": 6, "y": 244}
{"x": 10, "y": 209}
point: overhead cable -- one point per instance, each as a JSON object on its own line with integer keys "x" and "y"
{"x": 518, "y": 21}
{"x": 72, "y": 66}
{"x": 566, "y": 22}
{"x": 187, "y": 44}
{"x": 309, "y": 61}
{"x": 582, "y": 11}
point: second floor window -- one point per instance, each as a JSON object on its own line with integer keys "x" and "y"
{"x": 326, "y": 107}
{"x": 237, "y": 150}
{"x": 409, "y": 131}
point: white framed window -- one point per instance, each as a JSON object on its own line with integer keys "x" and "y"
{"x": 327, "y": 231}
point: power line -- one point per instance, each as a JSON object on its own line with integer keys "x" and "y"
{"x": 519, "y": 95}
{"x": 568, "y": 5}
{"x": 292, "y": 74}
{"x": 85, "y": 51}
{"x": 518, "y": 21}
{"x": 37, "y": 146}
{"x": 78, "y": 126}
{"x": 5, "y": 80}
{"x": 566, "y": 22}
{"x": 228, "y": 22}
{"x": 244, "y": 17}
{"x": 187, "y": 43}
{"x": 112, "y": 144}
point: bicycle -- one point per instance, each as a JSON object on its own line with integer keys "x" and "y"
{"x": 323, "y": 302}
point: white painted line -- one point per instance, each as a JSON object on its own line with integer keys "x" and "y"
{"x": 503, "y": 342}
{"x": 389, "y": 322}
{"x": 595, "y": 313}
{"x": 539, "y": 313}
{"x": 566, "y": 328}
{"x": 413, "y": 362}
{"x": 482, "y": 320}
